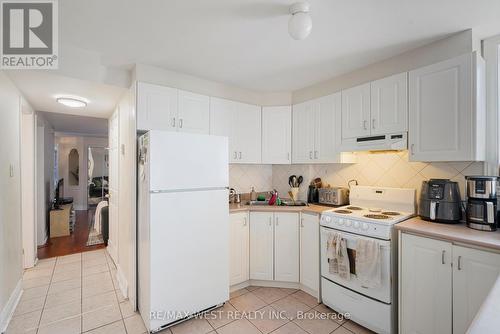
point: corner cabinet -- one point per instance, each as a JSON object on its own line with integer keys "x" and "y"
{"x": 239, "y": 236}
{"x": 316, "y": 131}
{"x": 170, "y": 109}
{"x": 241, "y": 123}
{"x": 277, "y": 135}
{"x": 442, "y": 285}
{"x": 446, "y": 110}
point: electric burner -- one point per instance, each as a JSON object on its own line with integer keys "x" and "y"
{"x": 354, "y": 208}
{"x": 390, "y": 213}
{"x": 376, "y": 216}
{"x": 343, "y": 211}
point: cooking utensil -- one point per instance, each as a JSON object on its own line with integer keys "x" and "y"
{"x": 292, "y": 180}
{"x": 299, "y": 181}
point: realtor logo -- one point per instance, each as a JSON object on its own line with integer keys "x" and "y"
{"x": 29, "y": 37}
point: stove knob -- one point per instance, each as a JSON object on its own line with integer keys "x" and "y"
{"x": 328, "y": 219}
{"x": 365, "y": 226}
{"x": 348, "y": 223}
{"x": 341, "y": 221}
{"x": 356, "y": 224}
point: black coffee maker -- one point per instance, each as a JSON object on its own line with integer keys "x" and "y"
{"x": 482, "y": 203}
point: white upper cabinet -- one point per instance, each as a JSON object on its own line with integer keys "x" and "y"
{"x": 170, "y": 109}
{"x": 316, "y": 131}
{"x": 446, "y": 110}
{"x": 356, "y": 111}
{"x": 241, "y": 123}
{"x": 156, "y": 107}
{"x": 276, "y": 135}
{"x": 389, "y": 105}
{"x": 194, "y": 112}
{"x": 474, "y": 274}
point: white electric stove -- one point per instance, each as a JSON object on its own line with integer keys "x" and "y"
{"x": 371, "y": 215}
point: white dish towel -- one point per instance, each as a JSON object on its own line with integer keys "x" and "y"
{"x": 368, "y": 263}
{"x": 338, "y": 259}
{"x": 97, "y": 216}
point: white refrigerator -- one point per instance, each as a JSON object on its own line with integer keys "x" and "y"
{"x": 183, "y": 226}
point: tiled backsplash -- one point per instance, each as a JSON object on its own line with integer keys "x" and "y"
{"x": 389, "y": 169}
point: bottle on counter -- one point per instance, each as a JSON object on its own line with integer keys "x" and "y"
{"x": 253, "y": 195}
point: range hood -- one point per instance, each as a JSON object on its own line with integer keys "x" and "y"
{"x": 393, "y": 141}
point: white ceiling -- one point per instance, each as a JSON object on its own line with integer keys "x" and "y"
{"x": 41, "y": 88}
{"x": 246, "y": 43}
{"x": 73, "y": 124}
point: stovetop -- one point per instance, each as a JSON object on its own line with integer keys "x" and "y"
{"x": 369, "y": 215}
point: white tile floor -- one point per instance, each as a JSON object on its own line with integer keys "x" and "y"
{"x": 79, "y": 294}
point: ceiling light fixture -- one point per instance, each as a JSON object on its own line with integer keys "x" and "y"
{"x": 300, "y": 24}
{"x": 72, "y": 102}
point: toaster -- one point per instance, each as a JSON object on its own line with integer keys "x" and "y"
{"x": 333, "y": 196}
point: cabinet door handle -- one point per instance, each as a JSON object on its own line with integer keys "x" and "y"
{"x": 301, "y": 222}
{"x": 288, "y": 156}
{"x": 459, "y": 267}
{"x": 310, "y": 155}
{"x": 365, "y": 124}
{"x": 173, "y": 122}
{"x": 315, "y": 154}
{"x": 412, "y": 149}
{"x": 239, "y": 155}
{"x": 373, "y": 123}
{"x": 245, "y": 221}
{"x": 180, "y": 122}
{"x": 442, "y": 257}
{"x": 270, "y": 221}
{"x": 235, "y": 155}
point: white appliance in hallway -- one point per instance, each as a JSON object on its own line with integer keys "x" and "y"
{"x": 371, "y": 215}
{"x": 183, "y": 251}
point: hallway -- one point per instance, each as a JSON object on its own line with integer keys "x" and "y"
{"x": 74, "y": 243}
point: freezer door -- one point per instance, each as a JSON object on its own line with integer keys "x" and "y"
{"x": 180, "y": 161}
{"x": 189, "y": 253}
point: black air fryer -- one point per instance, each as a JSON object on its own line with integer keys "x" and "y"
{"x": 440, "y": 201}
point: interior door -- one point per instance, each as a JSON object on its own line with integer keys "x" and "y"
{"x": 286, "y": 247}
{"x": 276, "y": 135}
{"x": 309, "y": 252}
{"x": 156, "y": 107}
{"x": 474, "y": 273}
{"x": 426, "y": 285}
{"x": 440, "y": 115}
{"x": 194, "y": 112}
{"x": 261, "y": 245}
{"x": 356, "y": 111}
{"x": 222, "y": 123}
{"x": 239, "y": 230}
{"x": 114, "y": 157}
{"x": 389, "y": 104}
{"x": 303, "y": 123}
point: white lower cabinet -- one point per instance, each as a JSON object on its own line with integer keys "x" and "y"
{"x": 442, "y": 285}
{"x": 261, "y": 245}
{"x": 309, "y": 252}
{"x": 274, "y": 246}
{"x": 239, "y": 235}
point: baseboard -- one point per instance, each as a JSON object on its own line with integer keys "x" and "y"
{"x": 122, "y": 281}
{"x": 274, "y": 284}
{"x": 239, "y": 286}
{"x": 8, "y": 310}
{"x": 112, "y": 250}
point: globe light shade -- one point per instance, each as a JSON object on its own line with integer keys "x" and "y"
{"x": 300, "y": 25}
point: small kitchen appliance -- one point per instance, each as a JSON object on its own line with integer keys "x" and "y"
{"x": 482, "y": 202}
{"x": 440, "y": 201}
{"x": 333, "y": 196}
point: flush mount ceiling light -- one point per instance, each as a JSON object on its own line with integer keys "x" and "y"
{"x": 72, "y": 102}
{"x": 300, "y": 24}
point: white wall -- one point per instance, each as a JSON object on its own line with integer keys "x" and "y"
{"x": 11, "y": 261}
{"x": 81, "y": 144}
{"x": 443, "y": 49}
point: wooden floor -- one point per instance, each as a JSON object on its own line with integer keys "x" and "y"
{"x": 74, "y": 243}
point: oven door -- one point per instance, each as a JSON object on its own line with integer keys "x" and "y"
{"x": 382, "y": 293}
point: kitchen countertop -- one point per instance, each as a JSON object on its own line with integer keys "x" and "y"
{"x": 311, "y": 208}
{"x": 451, "y": 232}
